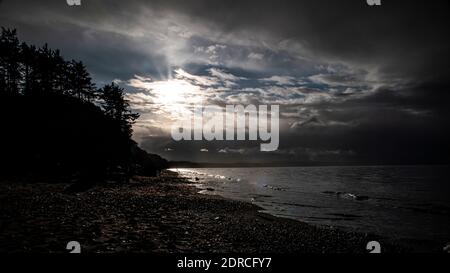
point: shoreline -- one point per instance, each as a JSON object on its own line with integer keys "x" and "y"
{"x": 157, "y": 215}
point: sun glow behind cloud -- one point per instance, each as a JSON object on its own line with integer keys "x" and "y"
{"x": 175, "y": 92}
{"x": 170, "y": 99}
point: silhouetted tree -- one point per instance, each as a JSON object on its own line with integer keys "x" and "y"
{"x": 60, "y": 70}
{"x": 28, "y": 56}
{"x": 116, "y": 107}
{"x": 80, "y": 82}
{"x": 9, "y": 61}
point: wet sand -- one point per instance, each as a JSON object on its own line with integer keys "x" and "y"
{"x": 155, "y": 215}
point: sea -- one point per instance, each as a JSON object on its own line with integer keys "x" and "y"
{"x": 407, "y": 204}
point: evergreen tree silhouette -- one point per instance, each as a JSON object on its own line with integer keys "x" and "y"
{"x": 116, "y": 107}
{"x": 9, "y": 61}
{"x": 80, "y": 82}
{"x": 28, "y": 55}
{"x": 60, "y": 73}
{"x": 44, "y": 68}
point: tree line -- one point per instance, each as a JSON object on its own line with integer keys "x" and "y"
{"x": 55, "y": 120}
{"x": 31, "y": 71}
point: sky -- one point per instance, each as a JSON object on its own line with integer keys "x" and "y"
{"x": 355, "y": 83}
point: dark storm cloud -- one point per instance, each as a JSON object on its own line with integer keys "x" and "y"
{"x": 404, "y": 37}
{"x": 402, "y": 126}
